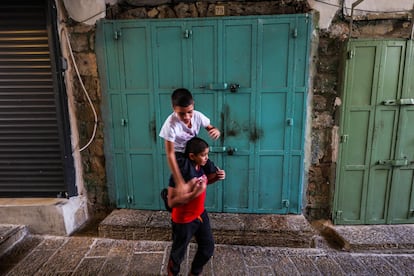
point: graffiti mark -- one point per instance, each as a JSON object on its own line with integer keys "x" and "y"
{"x": 255, "y": 134}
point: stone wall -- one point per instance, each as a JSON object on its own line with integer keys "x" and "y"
{"x": 82, "y": 39}
{"x": 325, "y": 78}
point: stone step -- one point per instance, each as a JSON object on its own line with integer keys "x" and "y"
{"x": 356, "y": 238}
{"x": 63, "y": 215}
{"x": 10, "y": 235}
{"x": 237, "y": 229}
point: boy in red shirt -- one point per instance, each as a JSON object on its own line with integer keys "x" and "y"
{"x": 189, "y": 218}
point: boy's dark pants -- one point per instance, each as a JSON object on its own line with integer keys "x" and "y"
{"x": 182, "y": 234}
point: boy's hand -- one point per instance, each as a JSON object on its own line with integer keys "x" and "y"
{"x": 214, "y": 133}
{"x": 200, "y": 186}
{"x": 221, "y": 174}
{"x": 191, "y": 184}
{"x": 193, "y": 188}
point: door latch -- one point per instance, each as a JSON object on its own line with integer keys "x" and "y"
{"x": 188, "y": 33}
{"x": 231, "y": 151}
{"x": 394, "y": 163}
{"x": 399, "y": 102}
{"x": 234, "y": 87}
{"x": 217, "y": 149}
{"x": 218, "y": 86}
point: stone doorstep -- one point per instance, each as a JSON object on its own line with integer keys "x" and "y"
{"x": 356, "y": 238}
{"x": 238, "y": 229}
{"x": 10, "y": 235}
{"x": 377, "y": 237}
{"x": 52, "y": 216}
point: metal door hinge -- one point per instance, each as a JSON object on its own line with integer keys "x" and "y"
{"x": 117, "y": 35}
{"x": 285, "y": 203}
{"x": 129, "y": 199}
{"x": 351, "y": 54}
{"x": 188, "y": 33}
{"x": 63, "y": 64}
{"x": 344, "y": 138}
{"x": 295, "y": 33}
{"x": 338, "y": 214}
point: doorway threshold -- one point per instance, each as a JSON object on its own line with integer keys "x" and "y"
{"x": 51, "y": 216}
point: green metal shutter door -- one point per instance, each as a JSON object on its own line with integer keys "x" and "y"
{"x": 204, "y": 55}
{"x": 373, "y": 173}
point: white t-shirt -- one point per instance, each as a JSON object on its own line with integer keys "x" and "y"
{"x": 177, "y": 132}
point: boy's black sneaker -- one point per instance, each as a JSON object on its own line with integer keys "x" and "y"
{"x": 164, "y": 194}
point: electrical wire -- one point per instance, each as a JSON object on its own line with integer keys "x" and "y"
{"x": 86, "y": 94}
{"x": 90, "y": 17}
{"x": 369, "y": 11}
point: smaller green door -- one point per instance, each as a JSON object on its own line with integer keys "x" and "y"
{"x": 374, "y": 149}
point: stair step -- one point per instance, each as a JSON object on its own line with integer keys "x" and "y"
{"x": 238, "y": 229}
{"x": 357, "y": 238}
{"x": 10, "y": 235}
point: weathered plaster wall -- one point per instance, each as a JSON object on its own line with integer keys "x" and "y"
{"x": 324, "y": 97}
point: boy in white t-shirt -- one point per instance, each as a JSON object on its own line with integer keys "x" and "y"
{"x": 182, "y": 125}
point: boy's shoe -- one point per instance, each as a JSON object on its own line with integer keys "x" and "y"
{"x": 164, "y": 194}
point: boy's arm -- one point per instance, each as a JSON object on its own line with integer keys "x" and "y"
{"x": 175, "y": 170}
{"x": 213, "y": 132}
{"x": 218, "y": 175}
{"x": 195, "y": 186}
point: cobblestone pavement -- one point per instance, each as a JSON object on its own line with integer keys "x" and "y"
{"x": 55, "y": 255}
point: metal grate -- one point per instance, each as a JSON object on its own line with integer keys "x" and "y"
{"x": 30, "y": 150}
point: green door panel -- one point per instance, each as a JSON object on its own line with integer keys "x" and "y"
{"x": 273, "y": 73}
{"x": 141, "y": 139}
{"x": 168, "y": 56}
{"x": 135, "y": 56}
{"x": 265, "y": 59}
{"x": 238, "y": 65}
{"x": 118, "y": 145}
{"x": 238, "y": 155}
{"x": 385, "y": 127}
{"x": 109, "y": 58}
{"x": 402, "y": 191}
{"x": 236, "y": 33}
{"x": 204, "y": 55}
{"x": 369, "y": 171}
{"x": 207, "y": 102}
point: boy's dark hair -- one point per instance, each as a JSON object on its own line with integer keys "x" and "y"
{"x": 182, "y": 97}
{"x": 195, "y": 145}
